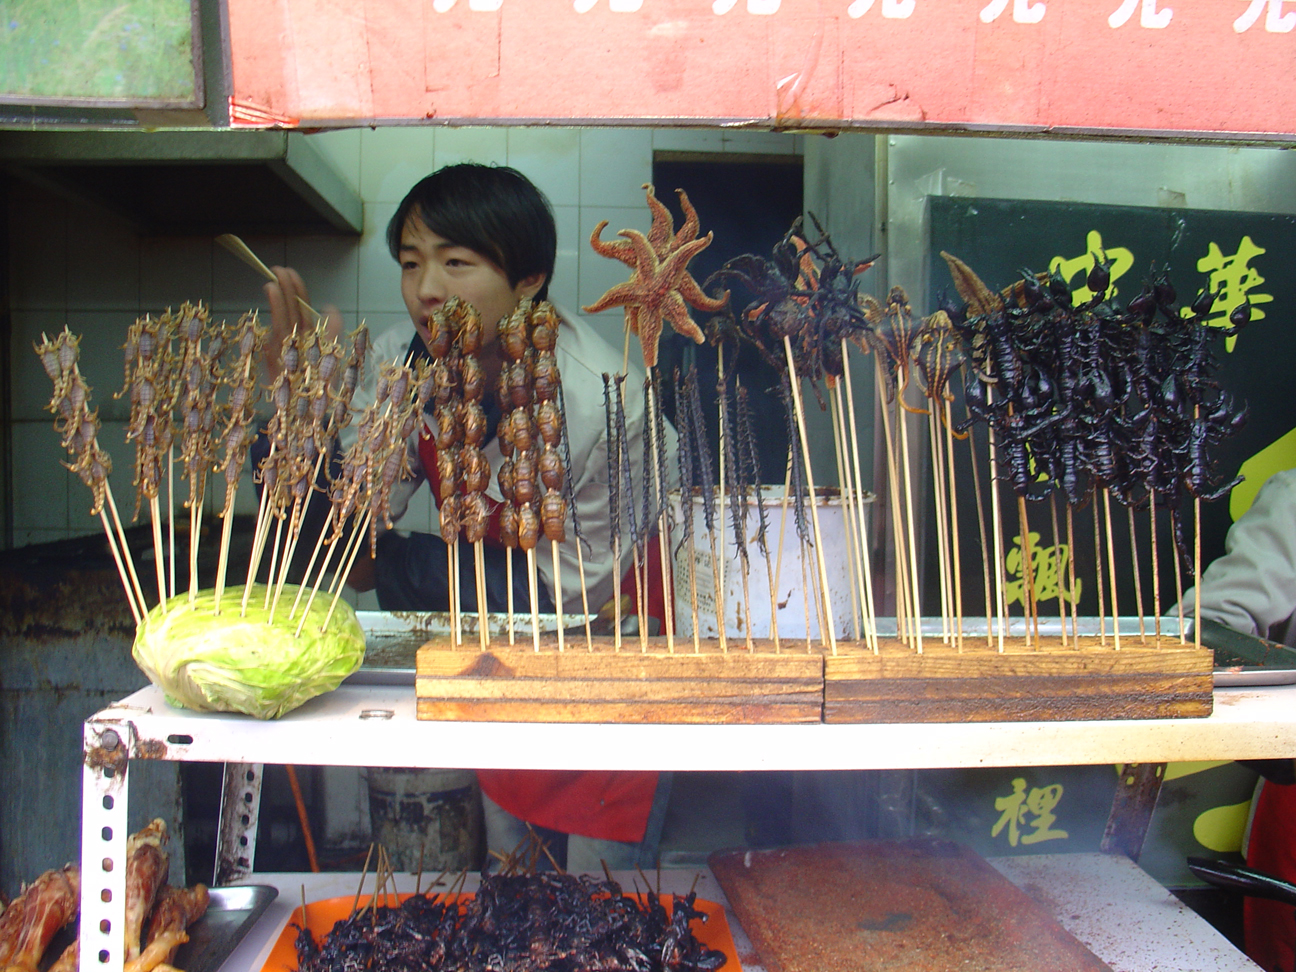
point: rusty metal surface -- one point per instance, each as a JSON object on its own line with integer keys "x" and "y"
{"x": 1132, "y": 806}
{"x": 65, "y": 641}
{"x": 239, "y": 812}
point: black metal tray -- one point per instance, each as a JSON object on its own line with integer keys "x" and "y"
{"x": 231, "y": 913}
{"x": 1243, "y": 659}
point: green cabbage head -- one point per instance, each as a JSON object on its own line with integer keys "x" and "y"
{"x": 231, "y": 663}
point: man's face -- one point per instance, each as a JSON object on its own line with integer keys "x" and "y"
{"x": 433, "y": 270}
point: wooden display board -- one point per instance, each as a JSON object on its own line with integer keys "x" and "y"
{"x": 1081, "y": 66}
{"x": 1038, "y": 682}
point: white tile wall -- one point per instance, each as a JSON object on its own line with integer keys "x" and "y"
{"x": 76, "y": 265}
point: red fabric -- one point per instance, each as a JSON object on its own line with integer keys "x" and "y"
{"x": 607, "y": 805}
{"x": 1269, "y": 927}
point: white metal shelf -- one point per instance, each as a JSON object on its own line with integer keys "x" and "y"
{"x": 376, "y": 724}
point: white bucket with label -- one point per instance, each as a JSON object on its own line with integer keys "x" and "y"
{"x": 795, "y": 571}
{"x": 432, "y": 812}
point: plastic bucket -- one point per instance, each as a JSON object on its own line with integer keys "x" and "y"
{"x": 433, "y": 812}
{"x": 790, "y": 577}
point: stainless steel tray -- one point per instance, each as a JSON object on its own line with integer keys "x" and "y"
{"x": 231, "y": 913}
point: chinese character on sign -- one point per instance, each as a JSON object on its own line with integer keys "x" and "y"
{"x": 1233, "y": 281}
{"x": 1024, "y": 12}
{"x": 1148, "y": 17}
{"x": 1121, "y": 260}
{"x": 1276, "y": 22}
{"x": 1039, "y": 803}
{"x": 891, "y": 9}
{"x": 1048, "y": 571}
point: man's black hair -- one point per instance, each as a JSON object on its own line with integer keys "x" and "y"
{"x": 492, "y": 210}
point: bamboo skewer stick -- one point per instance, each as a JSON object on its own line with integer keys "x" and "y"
{"x": 1071, "y": 574}
{"x": 1098, "y": 571}
{"x": 893, "y": 498}
{"x": 125, "y": 547}
{"x": 171, "y": 546}
{"x": 1156, "y": 568}
{"x": 508, "y": 574}
{"x": 121, "y": 568}
{"x": 1138, "y": 584}
{"x": 1183, "y": 633}
{"x": 1111, "y": 566}
{"x": 244, "y": 253}
{"x": 1196, "y": 564}
{"x": 580, "y": 569}
{"x": 942, "y": 523}
{"x": 558, "y": 591}
{"x": 1057, "y": 566}
{"x": 274, "y": 560}
{"x": 814, "y": 504}
{"x": 1001, "y": 603}
{"x": 483, "y": 609}
{"x": 310, "y": 565}
{"x": 346, "y": 571}
{"x": 981, "y": 529}
{"x": 954, "y": 524}
{"x": 533, "y": 579}
{"x": 847, "y": 505}
{"x": 663, "y": 531}
{"x": 1028, "y": 572}
{"x": 916, "y": 609}
{"x": 778, "y": 562}
{"x": 159, "y": 549}
{"x": 862, "y": 522}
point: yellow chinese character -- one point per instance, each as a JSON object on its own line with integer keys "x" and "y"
{"x": 1039, "y": 803}
{"x": 1121, "y": 260}
{"x": 1234, "y": 281}
{"x": 1048, "y": 568}
{"x": 1012, "y": 811}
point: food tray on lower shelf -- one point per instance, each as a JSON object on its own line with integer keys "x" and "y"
{"x": 322, "y": 915}
{"x": 231, "y": 912}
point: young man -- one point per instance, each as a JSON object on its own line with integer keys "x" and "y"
{"x": 486, "y": 235}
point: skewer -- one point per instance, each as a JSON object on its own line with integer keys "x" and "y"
{"x": 942, "y": 531}
{"x": 121, "y": 567}
{"x": 1028, "y": 572}
{"x": 535, "y": 597}
{"x": 1138, "y": 584}
{"x": 893, "y": 498}
{"x": 954, "y": 524}
{"x": 171, "y": 558}
{"x": 310, "y": 565}
{"x": 663, "y": 532}
{"x": 1098, "y": 571}
{"x": 159, "y": 550}
{"x": 981, "y": 529}
{"x": 1156, "y": 567}
{"x": 346, "y": 572}
{"x": 1071, "y": 574}
{"x": 1057, "y": 566}
{"x": 795, "y": 382}
{"x": 125, "y": 547}
{"x": 558, "y": 591}
{"x": 508, "y": 573}
{"x": 916, "y": 609}
{"x": 1197, "y": 565}
{"x": 1111, "y": 565}
{"x": 483, "y": 614}
{"x": 861, "y": 520}
{"x": 997, "y": 529}
{"x": 847, "y": 505}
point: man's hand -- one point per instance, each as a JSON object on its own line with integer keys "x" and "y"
{"x": 289, "y": 303}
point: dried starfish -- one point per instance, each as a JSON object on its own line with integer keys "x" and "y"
{"x": 657, "y": 291}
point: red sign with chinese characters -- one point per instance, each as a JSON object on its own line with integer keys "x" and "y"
{"x": 1224, "y": 68}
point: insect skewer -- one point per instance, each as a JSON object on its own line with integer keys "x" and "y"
{"x": 1057, "y": 567}
{"x": 893, "y": 501}
{"x": 954, "y": 523}
{"x": 483, "y": 615}
{"x": 1098, "y": 570}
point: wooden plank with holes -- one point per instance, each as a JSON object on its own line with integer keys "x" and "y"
{"x": 519, "y": 684}
{"x": 1041, "y": 682}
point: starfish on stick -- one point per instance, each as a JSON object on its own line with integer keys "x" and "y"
{"x": 660, "y": 286}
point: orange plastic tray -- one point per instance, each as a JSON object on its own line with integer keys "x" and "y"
{"x": 321, "y": 916}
